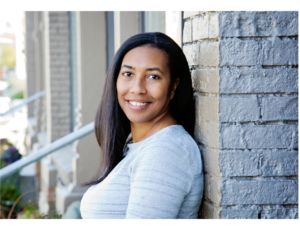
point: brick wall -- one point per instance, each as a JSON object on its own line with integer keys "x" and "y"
{"x": 59, "y": 57}
{"x": 244, "y": 68}
{"x": 54, "y": 49}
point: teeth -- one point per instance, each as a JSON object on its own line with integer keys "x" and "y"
{"x": 135, "y": 103}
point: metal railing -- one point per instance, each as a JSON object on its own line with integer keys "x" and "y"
{"x": 58, "y": 144}
{"x": 24, "y": 102}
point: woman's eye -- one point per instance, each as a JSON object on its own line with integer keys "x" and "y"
{"x": 153, "y": 77}
{"x": 127, "y": 74}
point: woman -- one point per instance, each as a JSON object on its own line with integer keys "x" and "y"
{"x": 151, "y": 164}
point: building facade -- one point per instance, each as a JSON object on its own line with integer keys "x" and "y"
{"x": 244, "y": 68}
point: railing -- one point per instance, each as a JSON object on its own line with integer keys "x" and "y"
{"x": 23, "y": 103}
{"x": 58, "y": 144}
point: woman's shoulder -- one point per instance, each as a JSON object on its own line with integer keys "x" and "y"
{"x": 176, "y": 144}
{"x": 174, "y": 136}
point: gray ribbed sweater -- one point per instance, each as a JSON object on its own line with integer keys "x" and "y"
{"x": 160, "y": 177}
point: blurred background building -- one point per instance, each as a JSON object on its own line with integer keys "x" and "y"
{"x": 67, "y": 55}
{"x": 12, "y": 75}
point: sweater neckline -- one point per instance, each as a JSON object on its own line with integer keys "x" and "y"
{"x": 147, "y": 139}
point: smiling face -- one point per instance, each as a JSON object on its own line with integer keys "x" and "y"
{"x": 143, "y": 85}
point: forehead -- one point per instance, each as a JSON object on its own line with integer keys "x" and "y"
{"x": 146, "y": 55}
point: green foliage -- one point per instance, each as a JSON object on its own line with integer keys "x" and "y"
{"x": 18, "y": 95}
{"x": 2, "y": 163}
{"x": 30, "y": 211}
{"x": 9, "y": 194}
{"x": 9, "y": 190}
{"x": 52, "y": 215}
{"x": 9, "y": 187}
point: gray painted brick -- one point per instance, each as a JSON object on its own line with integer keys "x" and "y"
{"x": 211, "y": 188}
{"x": 191, "y": 52}
{"x": 200, "y": 27}
{"x": 213, "y": 25}
{"x": 209, "y": 53}
{"x": 295, "y": 139}
{"x": 238, "y": 108}
{"x": 207, "y": 107}
{"x": 258, "y": 80}
{"x": 279, "y": 52}
{"x": 239, "y": 52}
{"x": 187, "y": 31}
{"x": 249, "y": 212}
{"x": 204, "y": 53}
{"x": 257, "y": 136}
{"x": 280, "y": 108}
{"x": 275, "y": 51}
{"x": 257, "y": 61}
{"x": 207, "y": 132}
{"x": 258, "y": 24}
{"x": 279, "y": 212}
{"x": 239, "y": 163}
{"x": 279, "y": 163}
{"x": 286, "y": 23}
{"x": 258, "y": 162}
{"x": 262, "y": 191}
{"x": 206, "y": 80}
{"x": 210, "y": 160}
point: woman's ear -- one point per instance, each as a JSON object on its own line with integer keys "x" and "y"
{"x": 173, "y": 89}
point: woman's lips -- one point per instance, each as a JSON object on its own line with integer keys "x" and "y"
{"x": 137, "y": 105}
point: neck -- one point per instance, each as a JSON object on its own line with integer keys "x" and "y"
{"x": 141, "y": 131}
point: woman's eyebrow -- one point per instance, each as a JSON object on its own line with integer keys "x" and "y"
{"x": 148, "y": 69}
{"x": 127, "y": 66}
{"x": 154, "y": 69}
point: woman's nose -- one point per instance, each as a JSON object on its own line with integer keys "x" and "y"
{"x": 138, "y": 86}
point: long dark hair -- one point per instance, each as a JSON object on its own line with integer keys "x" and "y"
{"x": 112, "y": 126}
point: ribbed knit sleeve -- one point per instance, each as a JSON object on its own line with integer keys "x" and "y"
{"x": 160, "y": 180}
